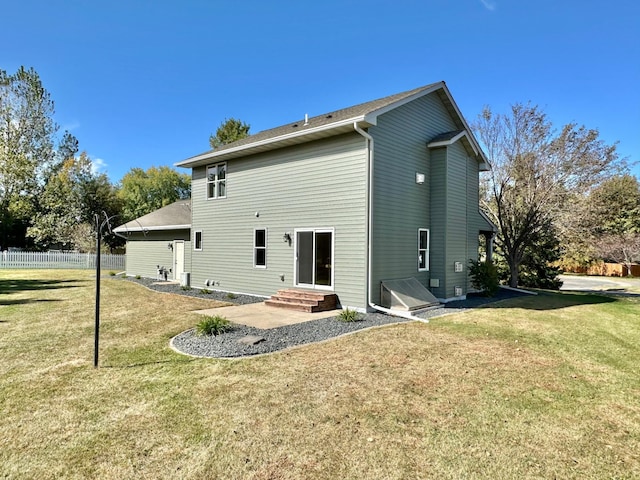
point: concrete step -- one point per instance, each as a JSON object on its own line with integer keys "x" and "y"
{"x": 308, "y": 294}
{"x": 303, "y": 300}
{"x": 292, "y": 306}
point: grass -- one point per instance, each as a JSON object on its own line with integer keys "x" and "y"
{"x": 213, "y": 325}
{"x": 348, "y": 315}
{"x": 537, "y": 387}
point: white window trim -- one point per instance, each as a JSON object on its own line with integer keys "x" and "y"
{"x": 255, "y": 248}
{"x": 315, "y": 286}
{"x": 424, "y": 250}
{"x": 195, "y": 240}
{"x": 216, "y": 181}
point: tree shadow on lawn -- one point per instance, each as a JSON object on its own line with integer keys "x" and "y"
{"x": 15, "y": 286}
{"x": 24, "y": 301}
{"x": 546, "y": 300}
{"x": 115, "y": 365}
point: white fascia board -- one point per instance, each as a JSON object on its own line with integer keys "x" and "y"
{"x": 152, "y": 229}
{"x": 494, "y": 227}
{"x": 451, "y": 141}
{"x": 372, "y": 117}
{"x": 220, "y": 155}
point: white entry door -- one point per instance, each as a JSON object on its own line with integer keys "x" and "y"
{"x": 178, "y": 259}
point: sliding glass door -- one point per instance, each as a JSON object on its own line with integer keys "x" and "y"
{"x": 314, "y": 258}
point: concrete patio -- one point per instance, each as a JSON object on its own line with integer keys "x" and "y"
{"x": 259, "y": 315}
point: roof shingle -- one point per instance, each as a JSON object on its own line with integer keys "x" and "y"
{"x": 325, "y": 119}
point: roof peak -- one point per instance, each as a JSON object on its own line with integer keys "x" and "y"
{"x": 328, "y": 120}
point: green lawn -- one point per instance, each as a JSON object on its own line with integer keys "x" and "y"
{"x": 536, "y": 387}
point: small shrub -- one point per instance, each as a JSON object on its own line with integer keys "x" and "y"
{"x": 231, "y": 296}
{"x": 205, "y": 291}
{"x": 112, "y": 273}
{"x": 484, "y": 277}
{"x": 213, "y": 325}
{"x": 348, "y": 315}
{"x": 185, "y": 287}
{"x": 137, "y": 277}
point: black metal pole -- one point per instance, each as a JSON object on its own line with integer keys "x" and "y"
{"x": 97, "y": 333}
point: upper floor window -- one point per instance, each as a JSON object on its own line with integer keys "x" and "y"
{"x": 217, "y": 180}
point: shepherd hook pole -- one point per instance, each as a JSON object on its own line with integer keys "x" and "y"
{"x": 97, "y": 329}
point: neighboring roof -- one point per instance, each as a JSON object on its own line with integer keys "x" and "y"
{"x": 176, "y": 216}
{"x": 328, "y": 124}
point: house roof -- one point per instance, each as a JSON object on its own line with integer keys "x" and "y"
{"x": 176, "y": 216}
{"x": 449, "y": 138}
{"x": 329, "y": 124}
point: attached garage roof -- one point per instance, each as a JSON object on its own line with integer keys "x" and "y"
{"x": 176, "y": 216}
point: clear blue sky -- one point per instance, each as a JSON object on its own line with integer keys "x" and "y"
{"x": 143, "y": 83}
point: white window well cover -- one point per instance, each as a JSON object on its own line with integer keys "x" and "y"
{"x": 406, "y": 294}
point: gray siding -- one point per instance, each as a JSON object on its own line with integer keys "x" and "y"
{"x": 400, "y": 205}
{"x": 476, "y": 222}
{"x": 438, "y": 208}
{"x": 145, "y": 252}
{"x": 457, "y": 224}
{"x": 456, "y": 219}
{"x": 320, "y": 184}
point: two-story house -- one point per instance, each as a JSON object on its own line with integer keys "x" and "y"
{"x": 342, "y": 202}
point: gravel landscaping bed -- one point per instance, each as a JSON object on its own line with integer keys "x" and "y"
{"x": 228, "y": 345}
{"x": 195, "y": 292}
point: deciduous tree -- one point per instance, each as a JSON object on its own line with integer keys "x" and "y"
{"x": 68, "y": 203}
{"x": 614, "y": 220}
{"x": 535, "y": 173}
{"x": 27, "y": 137}
{"x": 143, "y": 191}
{"x": 620, "y": 248}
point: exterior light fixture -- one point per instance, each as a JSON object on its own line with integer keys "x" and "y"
{"x": 170, "y": 246}
{"x": 286, "y": 237}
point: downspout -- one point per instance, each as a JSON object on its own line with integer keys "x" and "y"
{"x": 379, "y": 308}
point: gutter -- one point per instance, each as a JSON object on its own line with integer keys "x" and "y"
{"x": 220, "y": 154}
{"x": 379, "y": 308}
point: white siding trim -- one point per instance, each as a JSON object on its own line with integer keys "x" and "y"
{"x": 195, "y": 240}
{"x": 196, "y": 161}
{"x": 333, "y": 257}
{"x": 152, "y": 229}
{"x": 425, "y": 250}
{"x": 265, "y": 248}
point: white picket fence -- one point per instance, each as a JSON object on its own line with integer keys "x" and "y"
{"x": 52, "y": 260}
